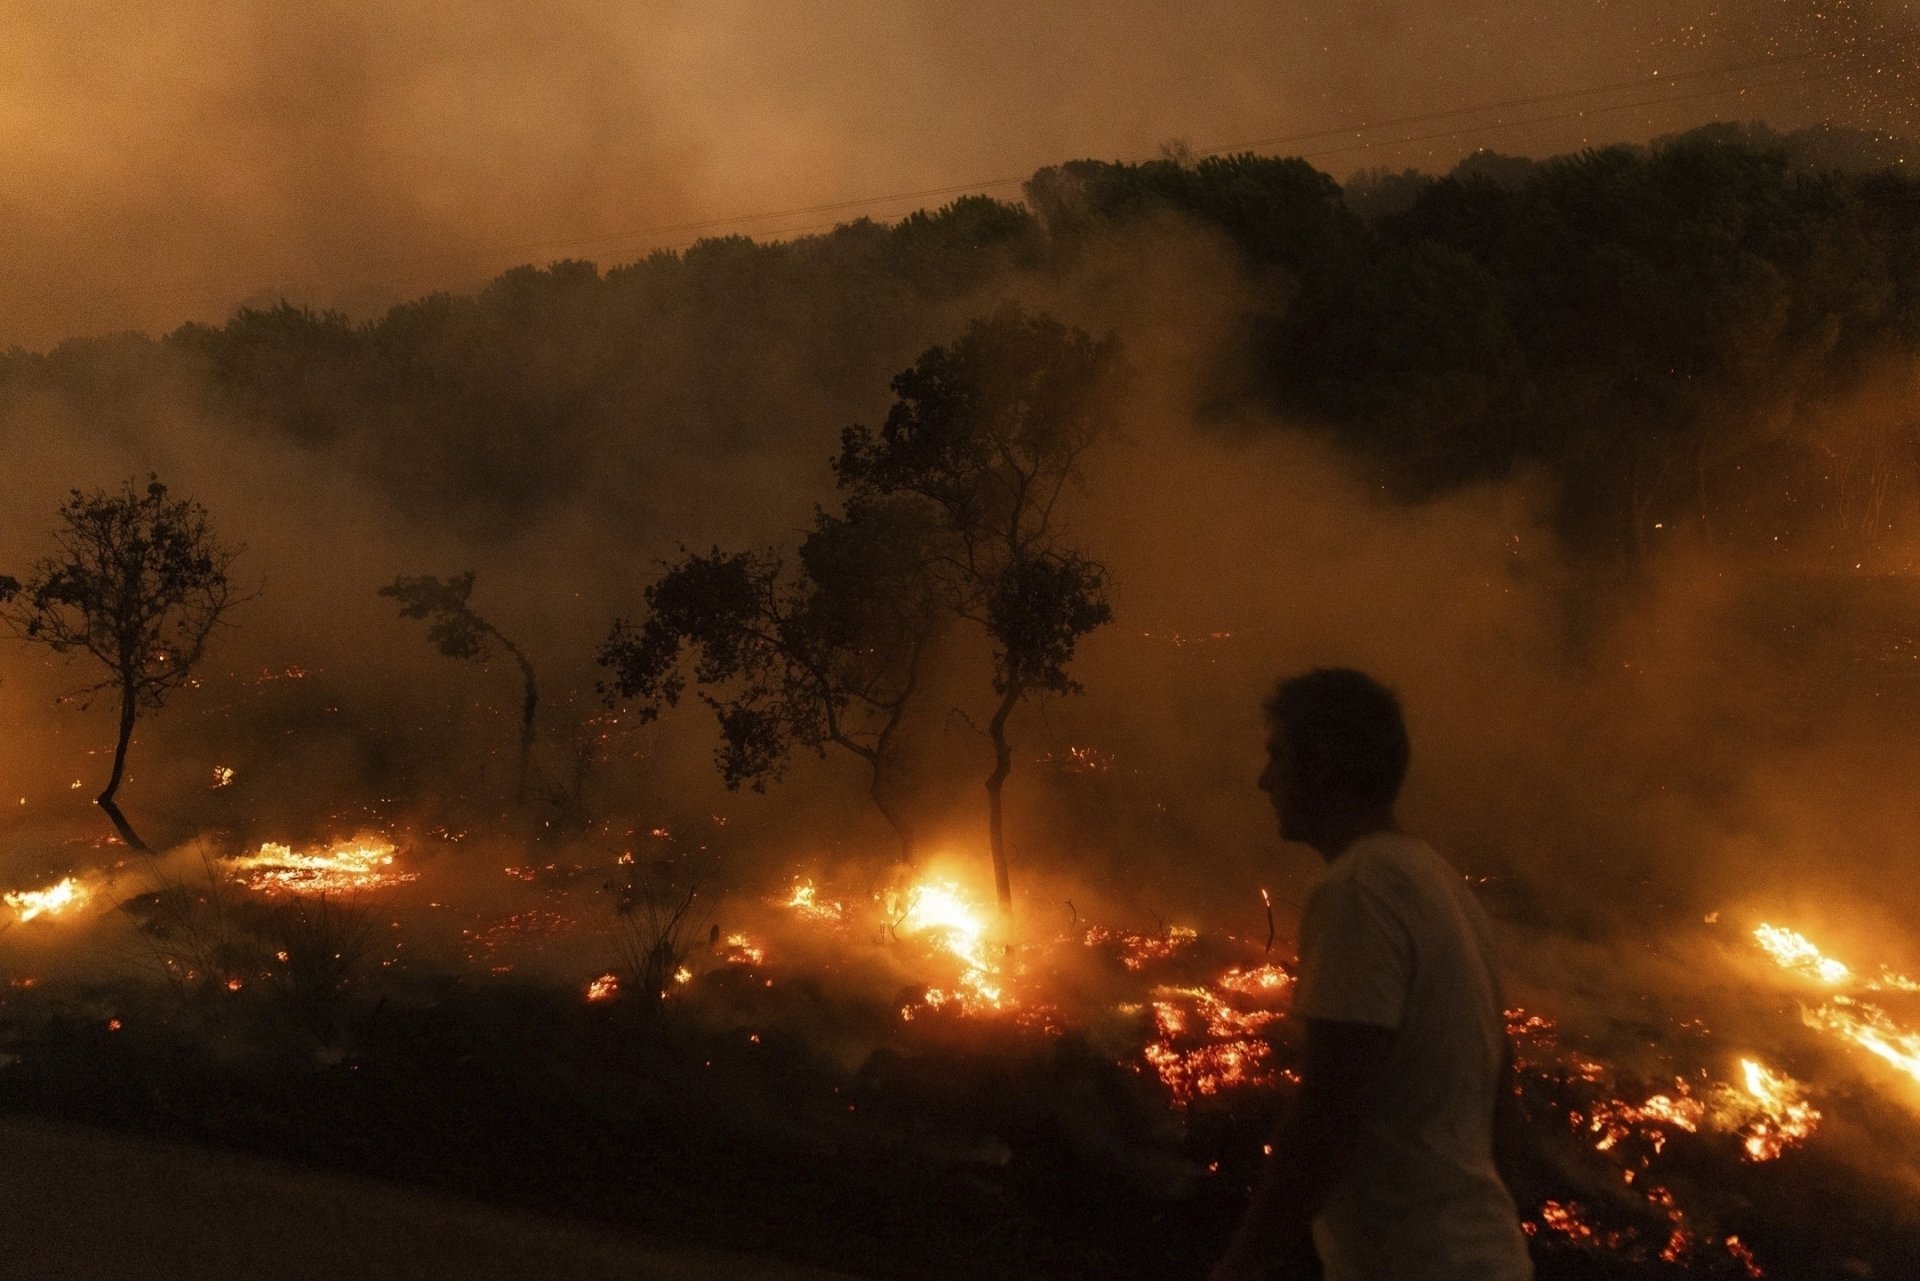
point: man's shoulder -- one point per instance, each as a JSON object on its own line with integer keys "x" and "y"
{"x": 1384, "y": 854}
{"x": 1402, "y": 872}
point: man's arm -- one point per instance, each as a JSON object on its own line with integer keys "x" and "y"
{"x": 1312, "y": 1150}
{"x": 1510, "y": 1139}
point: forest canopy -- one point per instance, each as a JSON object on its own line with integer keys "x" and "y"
{"x": 1690, "y": 337}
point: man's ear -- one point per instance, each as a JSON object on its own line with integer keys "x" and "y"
{"x": 1318, "y": 768}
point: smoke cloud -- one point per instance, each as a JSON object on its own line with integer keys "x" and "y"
{"x": 169, "y": 164}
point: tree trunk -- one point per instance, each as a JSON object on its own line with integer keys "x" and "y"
{"x": 529, "y": 704}
{"x": 129, "y": 707}
{"x": 1002, "y": 766}
{"x": 902, "y": 827}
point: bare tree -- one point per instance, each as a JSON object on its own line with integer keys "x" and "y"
{"x": 138, "y": 584}
{"x": 457, "y": 632}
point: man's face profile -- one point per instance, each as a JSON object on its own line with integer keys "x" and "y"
{"x": 1279, "y": 781}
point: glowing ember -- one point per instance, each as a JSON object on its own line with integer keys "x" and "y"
{"x": 1137, "y": 951}
{"x": 363, "y": 863}
{"x": 1262, "y": 980}
{"x": 1206, "y": 1070}
{"x": 604, "y": 987}
{"x": 740, "y": 951}
{"x": 52, "y": 901}
{"x": 1743, "y": 1256}
{"x": 1205, "y": 1046}
{"x": 1786, "y": 1117}
{"x": 1614, "y": 1120}
{"x": 222, "y": 775}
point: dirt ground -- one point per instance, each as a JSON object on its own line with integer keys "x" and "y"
{"x": 79, "y": 1204}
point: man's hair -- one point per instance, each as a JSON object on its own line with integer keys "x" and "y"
{"x": 1352, "y": 717}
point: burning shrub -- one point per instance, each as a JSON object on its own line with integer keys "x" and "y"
{"x": 654, "y": 928}
{"x": 193, "y": 934}
{"x": 319, "y": 948}
{"x": 215, "y": 944}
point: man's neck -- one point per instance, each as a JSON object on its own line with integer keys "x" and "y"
{"x": 1343, "y": 833}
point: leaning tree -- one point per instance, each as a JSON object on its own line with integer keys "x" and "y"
{"x": 457, "y": 632}
{"x": 827, "y": 652}
{"x": 138, "y": 584}
{"x": 987, "y": 437}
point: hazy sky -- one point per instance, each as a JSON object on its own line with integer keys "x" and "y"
{"x": 160, "y": 163}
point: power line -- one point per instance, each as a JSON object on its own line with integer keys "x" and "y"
{"x": 678, "y": 231}
{"x": 1809, "y": 78}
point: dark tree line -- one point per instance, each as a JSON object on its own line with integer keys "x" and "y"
{"x": 1664, "y": 330}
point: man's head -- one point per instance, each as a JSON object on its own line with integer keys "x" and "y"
{"x": 1337, "y": 753}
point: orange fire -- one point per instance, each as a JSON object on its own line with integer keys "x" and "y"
{"x": 807, "y": 902}
{"x": 943, "y": 914}
{"x": 1768, "y": 1111}
{"x": 363, "y": 863}
{"x": 1138, "y": 951}
{"x": 1864, "y": 1024}
{"x": 61, "y": 897}
{"x": 1869, "y": 1027}
{"x": 1792, "y": 952}
{"x": 1261, "y": 980}
{"x": 604, "y": 988}
{"x": 1783, "y": 1116}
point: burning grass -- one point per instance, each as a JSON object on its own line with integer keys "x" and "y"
{"x": 1861, "y": 1023}
{"x": 63, "y": 896}
{"x": 927, "y": 1029}
{"x": 345, "y": 867}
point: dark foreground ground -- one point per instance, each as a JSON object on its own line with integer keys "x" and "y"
{"x": 90, "y": 1206}
{"x": 509, "y": 1129}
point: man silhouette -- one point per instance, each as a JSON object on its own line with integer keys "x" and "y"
{"x": 1383, "y": 1167}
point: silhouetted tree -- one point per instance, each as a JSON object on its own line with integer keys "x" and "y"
{"x": 830, "y": 654}
{"x": 457, "y": 632}
{"x": 987, "y": 434}
{"x": 139, "y": 583}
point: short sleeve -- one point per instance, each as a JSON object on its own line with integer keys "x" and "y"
{"x": 1356, "y": 959}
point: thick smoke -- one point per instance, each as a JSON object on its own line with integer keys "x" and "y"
{"x": 168, "y": 164}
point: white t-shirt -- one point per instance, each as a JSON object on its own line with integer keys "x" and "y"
{"x": 1392, "y": 937}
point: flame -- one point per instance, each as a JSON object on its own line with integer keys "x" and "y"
{"x": 942, "y": 912}
{"x": 807, "y": 902}
{"x": 1865, "y": 1024}
{"x": 1786, "y": 1117}
{"x": 1869, "y": 1027}
{"x": 358, "y": 864}
{"x": 604, "y": 987}
{"x": 1793, "y": 952}
{"x": 56, "y": 899}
